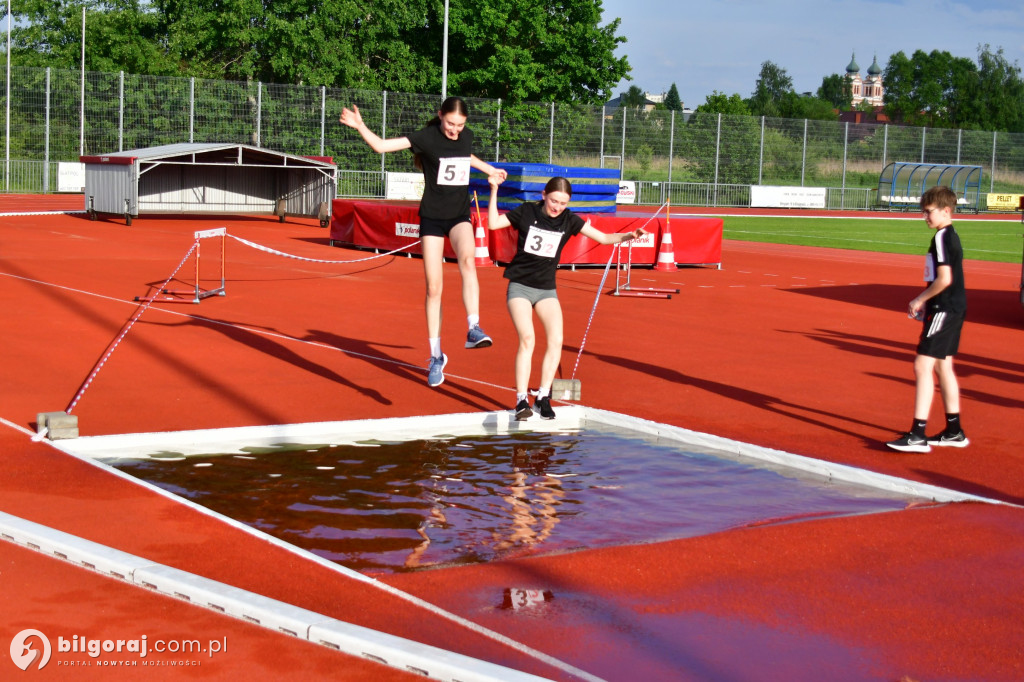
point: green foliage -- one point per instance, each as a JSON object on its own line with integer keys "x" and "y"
{"x": 634, "y": 98}
{"x": 772, "y": 87}
{"x": 937, "y": 89}
{"x": 837, "y": 90}
{"x": 720, "y": 103}
{"x": 509, "y": 49}
{"x": 672, "y": 101}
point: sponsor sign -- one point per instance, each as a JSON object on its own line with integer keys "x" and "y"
{"x": 627, "y": 193}
{"x": 1003, "y": 202}
{"x": 768, "y": 196}
{"x": 403, "y": 186}
{"x": 407, "y": 230}
{"x": 70, "y": 176}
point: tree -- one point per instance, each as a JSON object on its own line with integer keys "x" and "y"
{"x": 556, "y": 51}
{"x": 119, "y": 35}
{"x": 838, "y": 90}
{"x": 634, "y": 98}
{"x": 720, "y": 103}
{"x": 772, "y": 85}
{"x": 672, "y": 101}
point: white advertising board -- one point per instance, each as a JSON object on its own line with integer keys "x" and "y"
{"x": 404, "y": 186}
{"x": 70, "y": 176}
{"x": 627, "y": 193}
{"x": 767, "y": 196}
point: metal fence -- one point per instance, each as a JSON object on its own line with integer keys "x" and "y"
{"x": 695, "y": 159}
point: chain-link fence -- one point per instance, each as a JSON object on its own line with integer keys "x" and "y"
{"x": 692, "y": 159}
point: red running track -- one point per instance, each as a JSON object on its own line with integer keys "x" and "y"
{"x": 801, "y": 349}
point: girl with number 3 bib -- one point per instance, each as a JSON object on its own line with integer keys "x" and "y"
{"x": 544, "y": 228}
{"x": 444, "y": 152}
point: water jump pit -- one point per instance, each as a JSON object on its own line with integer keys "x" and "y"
{"x": 402, "y": 494}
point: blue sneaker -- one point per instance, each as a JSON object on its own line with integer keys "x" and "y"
{"x": 435, "y": 370}
{"x": 476, "y": 338}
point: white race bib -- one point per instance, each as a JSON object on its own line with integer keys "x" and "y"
{"x": 453, "y": 171}
{"x": 929, "y": 268}
{"x": 543, "y": 243}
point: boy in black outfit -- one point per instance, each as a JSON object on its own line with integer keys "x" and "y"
{"x": 942, "y": 306}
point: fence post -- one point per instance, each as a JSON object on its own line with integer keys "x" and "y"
{"x": 924, "y": 135}
{"x": 671, "y": 144}
{"x": 192, "y": 109}
{"x": 846, "y": 142}
{"x": 760, "y": 158}
{"x": 120, "y": 112}
{"x": 718, "y": 145}
{"x": 959, "y": 141}
{"x": 622, "y": 152}
{"x": 46, "y": 137}
{"x": 323, "y": 116}
{"x": 885, "y": 146}
{"x": 259, "y": 113}
{"x": 803, "y": 160}
{"x": 604, "y": 112}
{"x": 551, "y": 136}
{"x": 497, "y": 135}
{"x": 383, "y": 127}
{"x": 992, "y": 175}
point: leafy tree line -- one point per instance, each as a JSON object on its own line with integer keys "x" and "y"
{"x": 935, "y": 90}
{"x": 515, "y": 50}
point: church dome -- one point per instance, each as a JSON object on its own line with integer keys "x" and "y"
{"x": 853, "y": 68}
{"x": 874, "y": 69}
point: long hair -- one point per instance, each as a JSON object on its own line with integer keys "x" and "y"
{"x": 451, "y": 104}
{"x": 558, "y": 184}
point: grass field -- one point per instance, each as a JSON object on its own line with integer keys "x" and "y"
{"x": 982, "y": 240}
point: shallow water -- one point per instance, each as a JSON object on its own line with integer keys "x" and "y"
{"x": 404, "y": 505}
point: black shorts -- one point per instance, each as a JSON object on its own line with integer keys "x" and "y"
{"x": 940, "y": 336}
{"x": 439, "y": 227}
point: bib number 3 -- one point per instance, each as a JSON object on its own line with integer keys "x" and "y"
{"x": 542, "y": 243}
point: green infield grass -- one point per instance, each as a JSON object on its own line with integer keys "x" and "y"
{"x": 997, "y": 240}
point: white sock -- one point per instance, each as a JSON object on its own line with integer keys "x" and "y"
{"x": 435, "y": 347}
{"x": 520, "y": 397}
{"x": 473, "y": 320}
{"x": 543, "y": 392}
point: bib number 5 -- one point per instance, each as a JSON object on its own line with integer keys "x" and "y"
{"x": 453, "y": 171}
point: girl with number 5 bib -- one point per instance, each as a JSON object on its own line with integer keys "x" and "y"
{"x": 544, "y": 228}
{"x": 444, "y": 152}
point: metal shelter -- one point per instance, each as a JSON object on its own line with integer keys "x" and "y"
{"x": 901, "y": 184}
{"x": 211, "y": 178}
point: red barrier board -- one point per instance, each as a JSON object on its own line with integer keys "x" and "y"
{"x": 695, "y": 241}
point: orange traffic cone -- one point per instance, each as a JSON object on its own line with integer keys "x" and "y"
{"x": 483, "y": 257}
{"x": 666, "y": 252}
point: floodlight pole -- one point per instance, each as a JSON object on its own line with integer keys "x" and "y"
{"x": 81, "y": 113}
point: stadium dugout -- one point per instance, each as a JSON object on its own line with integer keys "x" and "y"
{"x": 901, "y": 184}
{"x": 209, "y": 178}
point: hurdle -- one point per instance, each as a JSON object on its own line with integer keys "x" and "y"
{"x": 628, "y": 289}
{"x": 197, "y": 293}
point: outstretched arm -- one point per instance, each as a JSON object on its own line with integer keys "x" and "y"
{"x": 487, "y": 168}
{"x": 495, "y": 221}
{"x": 353, "y": 119}
{"x": 613, "y": 238}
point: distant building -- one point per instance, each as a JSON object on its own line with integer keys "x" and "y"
{"x": 870, "y": 89}
{"x": 613, "y": 104}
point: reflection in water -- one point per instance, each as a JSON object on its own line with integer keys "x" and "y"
{"x": 406, "y": 505}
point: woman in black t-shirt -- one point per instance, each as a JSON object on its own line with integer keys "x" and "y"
{"x": 444, "y": 151}
{"x": 544, "y": 228}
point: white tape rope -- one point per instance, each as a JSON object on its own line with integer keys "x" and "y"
{"x": 267, "y": 249}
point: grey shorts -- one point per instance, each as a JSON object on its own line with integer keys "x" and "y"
{"x": 516, "y": 290}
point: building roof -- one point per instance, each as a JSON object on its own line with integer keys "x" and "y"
{"x": 212, "y": 153}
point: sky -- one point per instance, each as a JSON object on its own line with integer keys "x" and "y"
{"x": 720, "y": 45}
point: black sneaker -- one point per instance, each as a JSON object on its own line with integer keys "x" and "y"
{"x": 523, "y": 410}
{"x": 544, "y": 405}
{"x": 949, "y": 440}
{"x": 908, "y": 442}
